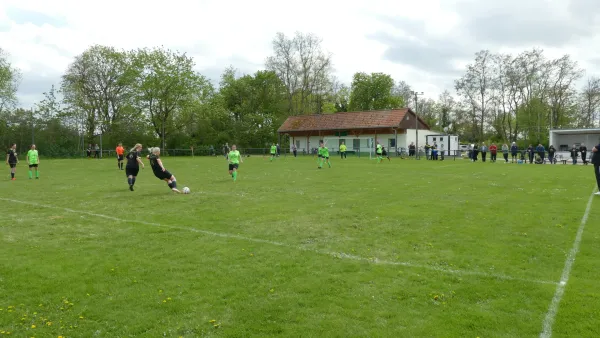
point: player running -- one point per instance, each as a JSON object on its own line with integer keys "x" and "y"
{"x": 379, "y": 152}
{"x": 33, "y": 160}
{"x": 120, "y": 152}
{"x": 159, "y": 170}
{"x": 134, "y": 161}
{"x": 12, "y": 160}
{"x": 234, "y": 158}
{"x": 323, "y": 154}
{"x": 273, "y": 151}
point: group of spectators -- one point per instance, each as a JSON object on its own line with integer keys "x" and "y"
{"x": 536, "y": 154}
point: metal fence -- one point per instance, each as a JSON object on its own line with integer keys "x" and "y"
{"x": 422, "y": 154}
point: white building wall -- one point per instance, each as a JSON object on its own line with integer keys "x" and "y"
{"x": 387, "y": 140}
{"x": 589, "y": 140}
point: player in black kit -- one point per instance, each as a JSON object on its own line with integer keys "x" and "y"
{"x": 159, "y": 170}
{"x": 133, "y": 164}
{"x": 12, "y": 160}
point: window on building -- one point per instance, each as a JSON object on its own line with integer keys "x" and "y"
{"x": 356, "y": 143}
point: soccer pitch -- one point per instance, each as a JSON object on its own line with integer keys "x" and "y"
{"x": 397, "y": 249}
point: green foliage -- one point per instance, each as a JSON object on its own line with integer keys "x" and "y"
{"x": 372, "y": 92}
{"x": 9, "y": 83}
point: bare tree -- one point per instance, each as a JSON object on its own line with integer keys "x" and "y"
{"x": 10, "y": 79}
{"x": 589, "y": 103}
{"x": 304, "y": 68}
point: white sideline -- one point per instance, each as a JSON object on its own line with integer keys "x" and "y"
{"x": 564, "y": 278}
{"x": 339, "y": 255}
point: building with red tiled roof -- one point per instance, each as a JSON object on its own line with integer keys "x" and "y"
{"x": 394, "y": 129}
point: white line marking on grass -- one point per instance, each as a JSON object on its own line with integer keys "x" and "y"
{"x": 339, "y": 255}
{"x": 564, "y": 279}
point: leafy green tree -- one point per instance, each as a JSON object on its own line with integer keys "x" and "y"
{"x": 166, "y": 88}
{"x": 10, "y": 78}
{"x": 372, "y": 92}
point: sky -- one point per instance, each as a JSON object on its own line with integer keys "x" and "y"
{"x": 426, "y": 43}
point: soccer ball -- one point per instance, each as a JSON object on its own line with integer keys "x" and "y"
{"x": 186, "y": 190}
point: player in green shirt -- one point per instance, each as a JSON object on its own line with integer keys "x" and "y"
{"x": 343, "y": 150}
{"x": 234, "y": 158}
{"x": 323, "y": 154}
{"x": 33, "y": 160}
{"x": 273, "y": 151}
{"x": 379, "y": 152}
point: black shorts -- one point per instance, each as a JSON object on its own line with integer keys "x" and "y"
{"x": 161, "y": 175}
{"x": 120, "y": 158}
{"x": 33, "y": 166}
{"x": 131, "y": 171}
{"x": 233, "y": 166}
{"x": 12, "y": 165}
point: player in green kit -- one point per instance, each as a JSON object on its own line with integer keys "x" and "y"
{"x": 379, "y": 152}
{"x": 323, "y": 155}
{"x": 234, "y": 158}
{"x": 33, "y": 160}
{"x": 273, "y": 151}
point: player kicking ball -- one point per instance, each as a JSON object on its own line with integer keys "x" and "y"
{"x": 159, "y": 170}
{"x": 133, "y": 165}
{"x": 234, "y": 158}
{"x": 323, "y": 154}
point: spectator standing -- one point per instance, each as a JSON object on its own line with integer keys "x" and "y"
{"x": 484, "y": 150}
{"x": 493, "y": 152}
{"x": 411, "y": 149}
{"x": 513, "y": 151}
{"x": 574, "y": 154}
{"x": 541, "y": 152}
{"x": 530, "y": 152}
{"x": 295, "y": 150}
{"x": 343, "y": 150}
{"x": 551, "y": 151}
{"x": 583, "y": 150}
{"x": 475, "y": 152}
{"x": 505, "y": 152}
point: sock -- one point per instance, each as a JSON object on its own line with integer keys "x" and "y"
{"x": 170, "y": 185}
{"x": 329, "y": 164}
{"x": 173, "y": 184}
{"x": 130, "y": 181}
{"x": 30, "y": 174}
{"x": 37, "y": 173}
{"x": 12, "y": 175}
{"x": 321, "y": 163}
{"x": 234, "y": 175}
{"x": 133, "y": 181}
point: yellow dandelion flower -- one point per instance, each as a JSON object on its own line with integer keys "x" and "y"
{"x": 212, "y": 321}
{"x": 164, "y": 300}
{"x": 60, "y": 336}
{"x": 33, "y": 326}
{"x": 80, "y": 317}
{"x": 49, "y": 323}
{"x": 169, "y": 298}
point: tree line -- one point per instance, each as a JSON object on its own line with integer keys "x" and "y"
{"x": 154, "y": 96}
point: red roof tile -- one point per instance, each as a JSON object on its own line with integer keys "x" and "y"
{"x": 345, "y": 121}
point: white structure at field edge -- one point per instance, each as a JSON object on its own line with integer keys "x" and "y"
{"x": 564, "y": 139}
{"x": 394, "y": 129}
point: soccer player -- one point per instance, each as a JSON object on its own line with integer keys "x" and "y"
{"x": 12, "y": 160}
{"x": 133, "y": 164}
{"x": 385, "y": 154}
{"x": 273, "y": 151}
{"x": 33, "y": 160}
{"x": 379, "y": 152}
{"x": 234, "y": 159}
{"x": 159, "y": 170}
{"x": 343, "y": 150}
{"x": 120, "y": 151}
{"x": 323, "y": 154}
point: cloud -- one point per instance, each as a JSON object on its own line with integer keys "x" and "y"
{"x": 23, "y": 16}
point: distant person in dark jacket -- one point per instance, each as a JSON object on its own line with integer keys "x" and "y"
{"x": 574, "y": 154}
{"x": 583, "y": 150}
{"x": 475, "y": 152}
{"x": 513, "y": 151}
{"x": 551, "y": 152}
{"x": 541, "y": 151}
{"x": 530, "y": 152}
{"x": 484, "y": 150}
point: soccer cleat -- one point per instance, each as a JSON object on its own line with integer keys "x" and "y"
{"x": 597, "y": 194}
{"x": 131, "y": 187}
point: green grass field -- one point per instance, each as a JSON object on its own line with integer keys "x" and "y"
{"x": 400, "y": 249}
